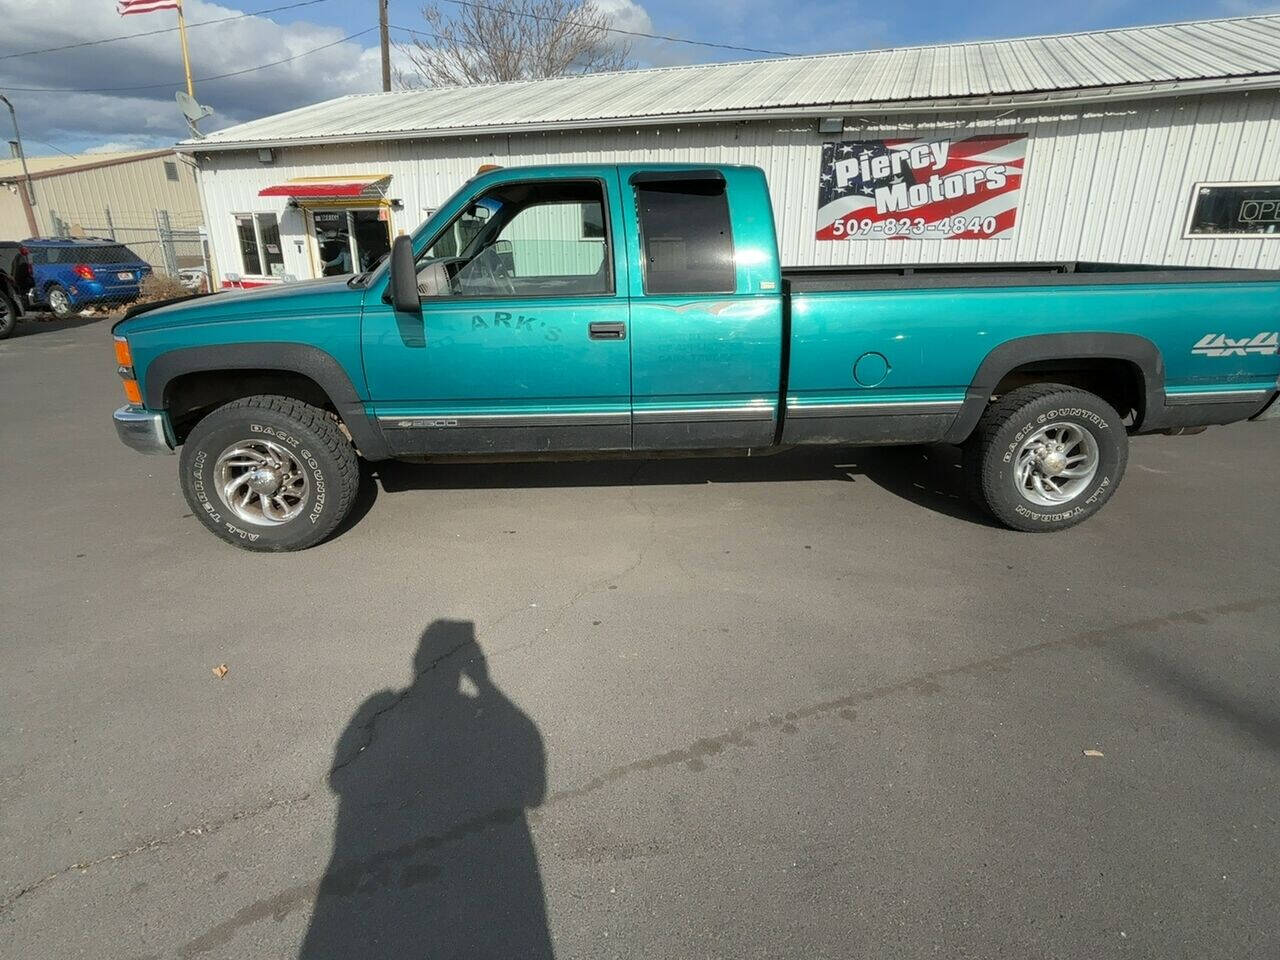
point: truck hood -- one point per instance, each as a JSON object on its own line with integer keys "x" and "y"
{"x": 281, "y": 298}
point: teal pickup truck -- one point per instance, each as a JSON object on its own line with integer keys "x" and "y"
{"x": 628, "y": 309}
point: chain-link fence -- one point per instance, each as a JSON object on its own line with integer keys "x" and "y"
{"x": 103, "y": 260}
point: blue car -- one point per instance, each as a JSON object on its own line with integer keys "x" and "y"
{"x": 72, "y": 274}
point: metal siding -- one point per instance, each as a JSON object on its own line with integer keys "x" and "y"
{"x": 13, "y": 218}
{"x": 1106, "y": 184}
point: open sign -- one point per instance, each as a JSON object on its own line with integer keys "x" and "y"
{"x": 1235, "y": 210}
{"x": 1260, "y": 211}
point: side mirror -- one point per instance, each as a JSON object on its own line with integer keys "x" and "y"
{"x": 403, "y": 291}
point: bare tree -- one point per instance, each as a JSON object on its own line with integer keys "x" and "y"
{"x": 488, "y": 41}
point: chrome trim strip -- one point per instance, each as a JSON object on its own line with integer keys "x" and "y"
{"x": 755, "y": 411}
{"x": 143, "y": 430}
{"x": 804, "y": 411}
{"x": 1215, "y": 396}
{"x": 504, "y": 420}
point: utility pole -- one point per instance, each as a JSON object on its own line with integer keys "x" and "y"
{"x": 22, "y": 154}
{"x": 386, "y": 45}
{"x": 29, "y": 196}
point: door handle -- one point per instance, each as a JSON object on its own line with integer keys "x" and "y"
{"x": 607, "y": 331}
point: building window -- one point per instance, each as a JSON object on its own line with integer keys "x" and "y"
{"x": 171, "y": 170}
{"x": 684, "y": 230}
{"x": 1235, "y": 210}
{"x": 260, "y": 249}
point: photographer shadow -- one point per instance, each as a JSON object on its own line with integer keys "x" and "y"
{"x": 432, "y": 854}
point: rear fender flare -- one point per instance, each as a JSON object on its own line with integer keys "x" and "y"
{"x": 1012, "y": 354}
{"x": 311, "y": 362}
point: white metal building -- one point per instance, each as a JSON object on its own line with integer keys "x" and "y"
{"x": 1152, "y": 145}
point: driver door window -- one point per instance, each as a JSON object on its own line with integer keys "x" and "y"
{"x": 522, "y": 240}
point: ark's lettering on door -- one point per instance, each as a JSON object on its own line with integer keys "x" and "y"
{"x": 500, "y": 320}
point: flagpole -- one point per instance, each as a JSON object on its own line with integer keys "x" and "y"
{"x": 186, "y": 56}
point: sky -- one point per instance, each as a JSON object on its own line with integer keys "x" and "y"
{"x": 78, "y": 101}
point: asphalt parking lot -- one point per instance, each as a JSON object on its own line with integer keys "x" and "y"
{"x": 804, "y": 706}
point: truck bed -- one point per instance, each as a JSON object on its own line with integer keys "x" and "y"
{"x": 1060, "y": 273}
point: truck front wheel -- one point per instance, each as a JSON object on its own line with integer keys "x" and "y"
{"x": 269, "y": 473}
{"x": 1046, "y": 457}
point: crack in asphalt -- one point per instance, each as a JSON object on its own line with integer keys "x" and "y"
{"x": 199, "y": 830}
{"x": 370, "y": 726}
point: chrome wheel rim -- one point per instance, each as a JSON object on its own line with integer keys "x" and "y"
{"x": 1055, "y": 464}
{"x": 58, "y": 301}
{"x": 261, "y": 482}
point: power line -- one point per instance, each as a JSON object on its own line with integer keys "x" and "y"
{"x": 438, "y": 36}
{"x": 629, "y": 33}
{"x": 54, "y": 146}
{"x": 152, "y": 33}
{"x": 218, "y": 76}
{"x": 421, "y": 33}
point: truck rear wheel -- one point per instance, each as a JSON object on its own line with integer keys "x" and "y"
{"x": 269, "y": 473}
{"x": 1046, "y": 457}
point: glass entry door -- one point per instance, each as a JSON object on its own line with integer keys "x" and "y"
{"x": 351, "y": 241}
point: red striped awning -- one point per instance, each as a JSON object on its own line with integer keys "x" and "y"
{"x": 367, "y": 187}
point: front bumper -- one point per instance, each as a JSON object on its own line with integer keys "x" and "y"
{"x": 143, "y": 430}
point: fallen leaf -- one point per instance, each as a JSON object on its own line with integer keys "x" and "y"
{"x": 1093, "y": 753}
{"x": 221, "y": 669}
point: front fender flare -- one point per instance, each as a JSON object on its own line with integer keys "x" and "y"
{"x": 299, "y": 358}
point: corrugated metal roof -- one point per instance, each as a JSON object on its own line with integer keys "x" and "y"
{"x": 39, "y": 167}
{"x": 1156, "y": 60}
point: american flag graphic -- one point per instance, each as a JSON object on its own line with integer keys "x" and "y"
{"x": 964, "y": 189}
{"x": 126, "y": 7}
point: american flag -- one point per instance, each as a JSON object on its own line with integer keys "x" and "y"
{"x": 126, "y": 7}
{"x": 854, "y": 202}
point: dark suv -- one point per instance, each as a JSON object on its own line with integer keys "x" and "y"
{"x": 15, "y": 284}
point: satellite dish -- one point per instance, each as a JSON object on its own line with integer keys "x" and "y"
{"x": 192, "y": 111}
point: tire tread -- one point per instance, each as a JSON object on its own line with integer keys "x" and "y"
{"x": 326, "y": 428}
{"x": 980, "y": 467}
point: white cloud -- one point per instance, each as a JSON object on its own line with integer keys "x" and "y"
{"x": 626, "y": 15}
{"x": 141, "y": 119}
{"x": 150, "y": 116}
{"x": 128, "y": 145}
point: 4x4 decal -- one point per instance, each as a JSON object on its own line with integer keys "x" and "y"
{"x": 1220, "y": 345}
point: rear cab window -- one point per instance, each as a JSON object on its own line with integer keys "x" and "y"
{"x": 685, "y": 234}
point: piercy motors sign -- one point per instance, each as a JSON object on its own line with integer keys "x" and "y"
{"x": 954, "y": 189}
